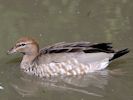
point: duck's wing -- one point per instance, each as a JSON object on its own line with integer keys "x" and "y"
{"x": 85, "y": 47}
{"x": 95, "y": 55}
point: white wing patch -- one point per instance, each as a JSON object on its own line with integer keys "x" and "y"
{"x": 98, "y": 65}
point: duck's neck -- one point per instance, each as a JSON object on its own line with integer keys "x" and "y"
{"x": 28, "y": 60}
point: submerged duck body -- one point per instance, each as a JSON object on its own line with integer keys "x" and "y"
{"x": 75, "y": 58}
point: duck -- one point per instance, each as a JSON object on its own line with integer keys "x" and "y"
{"x": 64, "y": 59}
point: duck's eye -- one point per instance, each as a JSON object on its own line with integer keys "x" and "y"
{"x": 21, "y": 45}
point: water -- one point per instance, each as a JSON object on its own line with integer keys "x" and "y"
{"x": 67, "y": 20}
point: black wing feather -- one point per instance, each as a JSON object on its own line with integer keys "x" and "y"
{"x": 86, "y": 47}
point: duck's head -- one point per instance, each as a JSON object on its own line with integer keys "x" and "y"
{"x": 25, "y": 45}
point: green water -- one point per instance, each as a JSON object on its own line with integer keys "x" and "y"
{"x": 51, "y": 21}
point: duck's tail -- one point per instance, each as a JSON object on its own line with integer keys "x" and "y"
{"x": 120, "y": 53}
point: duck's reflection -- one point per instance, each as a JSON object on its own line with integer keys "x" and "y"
{"x": 86, "y": 84}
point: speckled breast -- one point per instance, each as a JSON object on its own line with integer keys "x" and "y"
{"x": 70, "y": 67}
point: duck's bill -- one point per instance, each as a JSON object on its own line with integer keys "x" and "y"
{"x": 11, "y": 51}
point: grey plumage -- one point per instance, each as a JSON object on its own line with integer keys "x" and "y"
{"x": 64, "y": 58}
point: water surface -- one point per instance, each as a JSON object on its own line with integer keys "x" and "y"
{"x": 67, "y": 20}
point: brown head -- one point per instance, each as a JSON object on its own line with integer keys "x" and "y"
{"x": 25, "y": 45}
